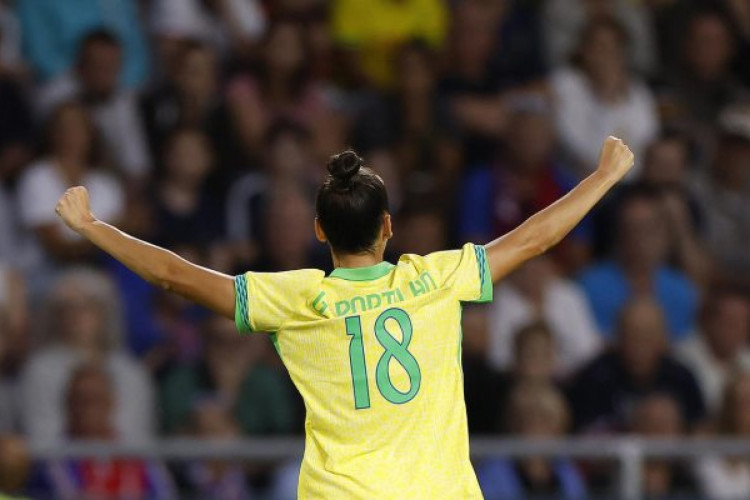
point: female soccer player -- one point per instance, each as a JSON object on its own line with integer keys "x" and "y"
{"x": 374, "y": 348}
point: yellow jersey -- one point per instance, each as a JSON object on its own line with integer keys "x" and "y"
{"x": 376, "y": 354}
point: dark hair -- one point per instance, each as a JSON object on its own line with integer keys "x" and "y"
{"x": 594, "y": 25}
{"x": 350, "y": 204}
{"x": 95, "y": 154}
{"x": 99, "y": 35}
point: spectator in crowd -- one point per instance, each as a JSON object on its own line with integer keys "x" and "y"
{"x": 16, "y": 137}
{"x": 422, "y": 229}
{"x": 52, "y": 31}
{"x": 658, "y": 417}
{"x": 190, "y": 99}
{"x": 725, "y": 478}
{"x": 282, "y": 88}
{"x": 228, "y": 25}
{"x": 13, "y": 322}
{"x": 720, "y": 347}
{"x": 564, "y": 20}
{"x": 369, "y": 33}
{"x": 536, "y": 292}
{"x": 70, "y": 159}
{"x": 597, "y": 96}
{"x": 289, "y": 207}
{"x": 238, "y": 372}
{"x": 480, "y": 379}
{"x": 186, "y": 217}
{"x": 95, "y": 82}
{"x": 604, "y": 391}
{"x": 639, "y": 267}
{"x": 471, "y": 86}
{"x": 533, "y": 361}
{"x": 521, "y": 179}
{"x": 214, "y": 422}
{"x": 288, "y": 160}
{"x": 703, "y": 85}
{"x": 82, "y": 322}
{"x": 15, "y": 465}
{"x": 723, "y": 194}
{"x": 535, "y": 410}
{"x": 91, "y": 405}
{"x": 414, "y": 123}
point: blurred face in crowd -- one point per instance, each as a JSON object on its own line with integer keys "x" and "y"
{"x": 732, "y": 165}
{"x": 603, "y": 52}
{"x": 532, "y": 277}
{"x": 188, "y": 158}
{"x": 642, "y": 234}
{"x": 90, "y": 404}
{"x": 726, "y": 325}
{"x": 71, "y": 132}
{"x": 473, "y": 43}
{"x": 196, "y": 78}
{"x": 736, "y": 406}
{"x": 15, "y": 464}
{"x": 415, "y": 72}
{"x": 79, "y": 318}
{"x": 657, "y": 416}
{"x": 534, "y": 351}
{"x": 530, "y": 140}
{"x": 666, "y": 163}
{"x": 213, "y": 420}
{"x": 291, "y": 210}
{"x": 423, "y": 232}
{"x": 99, "y": 68}
{"x": 538, "y": 410}
{"x": 285, "y": 51}
{"x": 641, "y": 338}
{"x": 289, "y": 155}
{"x": 708, "y": 48}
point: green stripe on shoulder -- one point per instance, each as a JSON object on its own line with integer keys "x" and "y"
{"x": 485, "y": 277}
{"x": 241, "y": 304}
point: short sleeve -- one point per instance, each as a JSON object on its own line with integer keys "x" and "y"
{"x": 465, "y": 272}
{"x": 265, "y": 301}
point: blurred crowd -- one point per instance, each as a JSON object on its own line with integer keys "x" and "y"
{"x": 204, "y": 126}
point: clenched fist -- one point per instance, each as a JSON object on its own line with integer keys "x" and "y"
{"x": 74, "y": 208}
{"x": 616, "y": 159}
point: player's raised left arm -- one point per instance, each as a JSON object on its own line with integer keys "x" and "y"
{"x": 156, "y": 265}
{"x": 546, "y": 228}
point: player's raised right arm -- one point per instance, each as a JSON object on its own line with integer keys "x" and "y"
{"x": 156, "y": 265}
{"x": 546, "y": 228}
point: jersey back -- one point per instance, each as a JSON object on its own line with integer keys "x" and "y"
{"x": 376, "y": 355}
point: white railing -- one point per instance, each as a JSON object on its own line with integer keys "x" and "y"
{"x": 628, "y": 452}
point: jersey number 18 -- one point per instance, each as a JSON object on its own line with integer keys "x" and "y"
{"x": 393, "y": 350}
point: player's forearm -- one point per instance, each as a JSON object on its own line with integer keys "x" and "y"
{"x": 546, "y": 228}
{"x": 156, "y": 265}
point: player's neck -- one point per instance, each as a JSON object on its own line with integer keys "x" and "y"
{"x": 357, "y": 260}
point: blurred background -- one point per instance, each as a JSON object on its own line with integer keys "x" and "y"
{"x": 204, "y": 126}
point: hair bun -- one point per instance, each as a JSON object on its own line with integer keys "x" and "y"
{"x": 344, "y": 166}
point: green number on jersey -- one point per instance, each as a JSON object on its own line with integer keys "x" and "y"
{"x": 393, "y": 350}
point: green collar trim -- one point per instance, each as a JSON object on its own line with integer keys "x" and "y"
{"x": 362, "y": 273}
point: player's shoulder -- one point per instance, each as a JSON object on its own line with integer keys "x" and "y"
{"x": 437, "y": 258}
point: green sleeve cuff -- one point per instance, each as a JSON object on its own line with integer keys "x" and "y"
{"x": 241, "y": 305}
{"x": 485, "y": 277}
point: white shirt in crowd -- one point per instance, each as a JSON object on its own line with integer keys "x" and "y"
{"x": 711, "y": 375}
{"x": 723, "y": 480}
{"x": 188, "y": 18}
{"x": 117, "y": 119}
{"x": 583, "y": 121}
{"x": 43, "y": 387}
{"x": 40, "y": 188}
{"x": 565, "y": 311}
